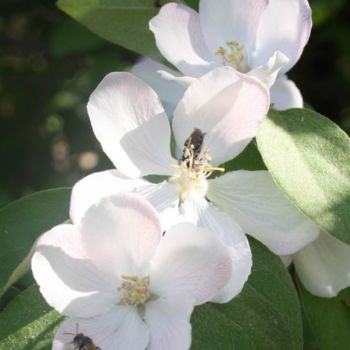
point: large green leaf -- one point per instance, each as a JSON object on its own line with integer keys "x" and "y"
{"x": 266, "y": 315}
{"x": 28, "y": 323}
{"x": 21, "y": 223}
{"x": 329, "y": 319}
{"x": 122, "y": 22}
{"x": 309, "y": 158}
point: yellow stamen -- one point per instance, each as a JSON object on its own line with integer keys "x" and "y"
{"x": 234, "y": 56}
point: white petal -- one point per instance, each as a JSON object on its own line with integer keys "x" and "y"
{"x": 190, "y": 263}
{"x": 230, "y": 20}
{"x": 120, "y": 234}
{"x": 285, "y": 94}
{"x": 204, "y": 214}
{"x": 267, "y": 73}
{"x": 67, "y": 278}
{"x": 168, "y": 90}
{"x": 94, "y": 187}
{"x": 180, "y": 40}
{"x": 324, "y": 266}
{"x": 253, "y": 199}
{"x": 184, "y": 80}
{"x": 122, "y": 329}
{"x": 284, "y": 26}
{"x": 220, "y": 104}
{"x": 165, "y": 199}
{"x": 169, "y": 325}
{"x": 126, "y": 116}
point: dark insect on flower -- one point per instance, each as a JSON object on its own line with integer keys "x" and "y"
{"x": 193, "y": 146}
{"x": 83, "y": 342}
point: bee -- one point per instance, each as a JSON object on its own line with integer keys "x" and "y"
{"x": 83, "y": 342}
{"x": 193, "y": 146}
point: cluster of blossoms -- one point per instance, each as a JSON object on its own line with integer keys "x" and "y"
{"x": 139, "y": 255}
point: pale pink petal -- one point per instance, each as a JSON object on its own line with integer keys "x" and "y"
{"x": 168, "y": 90}
{"x": 267, "y": 73}
{"x": 180, "y": 40}
{"x": 285, "y": 94}
{"x": 121, "y": 329}
{"x": 256, "y": 203}
{"x": 169, "y": 324}
{"x": 190, "y": 263}
{"x": 94, "y": 187}
{"x": 204, "y": 214}
{"x": 220, "y": 105}
{"x": 91, "y": 189}
{"x": 284, "y": 26}
{"x": 230, "y": 20}
{"x": 126, "y": 116}
{"x": 324, "y": 266}
{"x": 67, "y": 278}
{"x": 121, "y": 233}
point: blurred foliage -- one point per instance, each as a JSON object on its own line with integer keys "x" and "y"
{"x": 49, "y": 65}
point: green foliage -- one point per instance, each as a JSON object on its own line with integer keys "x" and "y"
{"x": 28, "y": 323}
{"x": 70, "y": 37}
{"x": 21, "y": 223}
{"x": 122, "y": 22}
{"x": 266, "y": 315}
{"x": 329, "y": 319}
{"x": 249, "y": 159}
{"x": 309, "y": 158}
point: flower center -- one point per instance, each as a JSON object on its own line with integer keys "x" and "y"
{"x": 136, "y": 292}
{"x": 194, "y": 166}
{"x": 234, "y": 55}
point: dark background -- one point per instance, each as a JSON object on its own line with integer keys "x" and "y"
{"x": 49, "y": 65}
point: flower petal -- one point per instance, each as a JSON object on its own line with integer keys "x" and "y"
{"x": 284, "y": 26}
{"x": 169, "y": 90}
{"x": 285, "y": 94}
{"x": 91, "y": 189}
{"x": 219, "y": 104}
{"x": 190, "y": 263}
{"x": 67, "y": 278}
{"x": 180, "y": 40}
{"x": 232, "y": 20}
{"x": 169, "y": 324}
{"x": 204, "y": 214}
{"x": 121, "y": 329}
{"x": 324, "y": 266}
{"x": 253, "y": 199}
{"x": 267, "y": 73}
{"x": 120, "y": 234}
{"x": 126, "y": 116}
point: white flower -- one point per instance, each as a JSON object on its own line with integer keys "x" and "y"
{"x": 323, "y": 266}
{"x": 224, "y": 108}
{"x": 258, "y": 37}
{"x": 123, "y": 285}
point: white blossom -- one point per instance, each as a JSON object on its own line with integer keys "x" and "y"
{"x": 225, "y": 107}
{"x": 122, "y": 284}
{"x": 257, "y": 37}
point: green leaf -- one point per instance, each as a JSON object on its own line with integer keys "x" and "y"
{"x": 28, "y": 323}
{"x": 266, "y": 315}
{"x": 309, "y": 158}
{"x": 121, "y": 22}
{"x": 249, "y": 159}
{"x": 21, "y": 223}
{"x": 70, "y": 38}
{"x": 328, "y": 318}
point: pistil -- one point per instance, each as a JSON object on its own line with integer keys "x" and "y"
{"x": 234, "y": 56}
